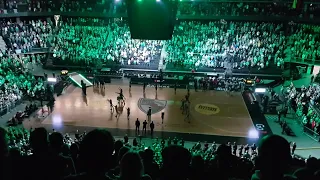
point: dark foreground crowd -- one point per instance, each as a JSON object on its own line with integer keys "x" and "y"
{"x": 98, "y": 156}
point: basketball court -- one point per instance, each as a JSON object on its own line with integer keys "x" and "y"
{"x": 211, "y": 112}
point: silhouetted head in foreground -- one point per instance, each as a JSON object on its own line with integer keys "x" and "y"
{"x": 96, "y": 151}
{"x": 131, "y": 167}
{"x": 56, "y": 142}
{"x": 176, "y": 162}
{"x": 274, "y": 157}
{"x": 39, "y": 140}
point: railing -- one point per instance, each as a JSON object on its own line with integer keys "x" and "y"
{"x": 9, "y": 107}
{"x": 302, "y": 61}
{"x": 307, "y": 131}
{"x": 312, "y": 134}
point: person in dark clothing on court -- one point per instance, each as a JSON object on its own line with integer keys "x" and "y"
{"x": 151, "y": 127}
{"x": 162, "y": 117}
{"x": 144, "y": 127}
{"x": 137, "y": 126}
{"x": 294, "y": 147}
{"x": 149, "y": 114}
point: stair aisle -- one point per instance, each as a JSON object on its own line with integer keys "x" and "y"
{"x": 2, "y": 44}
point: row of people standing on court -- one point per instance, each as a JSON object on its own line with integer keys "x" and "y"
{"x": 144, "y": 126}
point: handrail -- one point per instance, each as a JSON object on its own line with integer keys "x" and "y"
{"x": 315, "y": 109}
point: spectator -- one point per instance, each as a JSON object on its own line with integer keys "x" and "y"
{"x": 113, "y": 173}
{"x": 96, "y": 151}
{"x": 41, "y": 160}
{"x": 74, "y": 152}
{"x": 274, "y": 158}
{"x": 198, "y": 170}
{"x": 65, "y": 163}
{"x": 176, "y": 160}
{"x": 309, "y": 171}
{"x": 131, "y": 167}
{"x": 151, "y": 168}
{"x": 117, "y": 146}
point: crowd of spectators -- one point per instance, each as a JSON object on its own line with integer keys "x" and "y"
{"x": 232, "y": 84}
{"x": 303, "y": 42}
{"x": 236, "y": 8}
{"x": 96, "y": 155}
{"x": 304, "y": 102}
{"x": 23, "y": 36}
{"x": 103, "y": 43}
{"x": 94, "y": 42}
{"x": 17, "y": 62}
{"x": 16, "y": 80}
{"x": 214, "y": 8}
{"x": 243, "y": 44}
{"x": 81, "y": 43}
{"x": 105, "y": 6}
{"x": 215, "y": 44}
{"x": 188, "y": 48}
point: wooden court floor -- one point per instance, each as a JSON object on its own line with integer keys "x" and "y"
{"x": 211, "y": 112}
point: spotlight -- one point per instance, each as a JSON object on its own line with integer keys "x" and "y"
{"x": 64, "y": 72}
{"x": 54, "y": 80}
{"x": 260, "y": 90}
{"x": 253, "y": 134}
{"x": 158, "y": 0}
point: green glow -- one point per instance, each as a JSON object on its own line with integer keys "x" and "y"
{"x": 75, "y": 81}
{"x": 86, "y": 79}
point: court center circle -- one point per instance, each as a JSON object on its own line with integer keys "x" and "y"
{"x": 207, "y": 109}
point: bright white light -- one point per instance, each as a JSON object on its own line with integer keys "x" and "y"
{"x": 158, "y": 0}
{"x": 260, "y": 90}
{"x": 117, "y": 0}
{"x": 57, "y": 121}
{"x": 253, "y": 134}
{"x": 52, "y": 79}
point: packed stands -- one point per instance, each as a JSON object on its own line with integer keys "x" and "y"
{"x": 303, "y": 42}
{"x": 163, "y": 159}
{"x": 36, "y": 154}
{"x": 305, "y": 102}
{"x": 104, "y": 43}
{"x": 106, "y": 6}
{"x": 234, "y": 8}
{"x": 213, "y": 8}
{"x": 267, "y": 45}
{"x": 16, "y": 81}
{"x": 244, "y": 44}
{"x": 79, "y": 43}
{"x": 23, "y": 36}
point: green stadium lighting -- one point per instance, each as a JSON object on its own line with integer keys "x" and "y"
{"x": 85, "y": 79}
{"x": 75, "y": 81}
